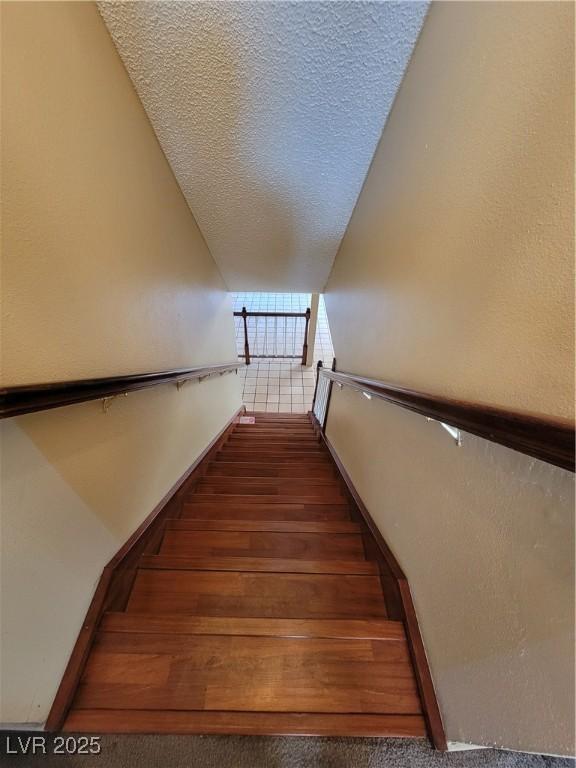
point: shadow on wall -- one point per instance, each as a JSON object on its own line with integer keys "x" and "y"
{"x": 122, "y": 461}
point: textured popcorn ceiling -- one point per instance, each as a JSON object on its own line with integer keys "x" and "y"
{"x": 269, "y": 113}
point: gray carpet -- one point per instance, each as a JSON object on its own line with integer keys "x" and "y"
{"x": 275, "y": 752}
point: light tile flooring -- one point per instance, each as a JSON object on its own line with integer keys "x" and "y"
{"x": 280, "y": 385}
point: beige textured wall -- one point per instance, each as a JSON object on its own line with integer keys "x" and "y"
{"x": 104, "y": 272}
{"x": 455, "y": 276}
{"x": 460, "y": 249}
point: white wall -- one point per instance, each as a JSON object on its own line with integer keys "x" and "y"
{"x": 105, "y": 272}
{"x": 486, "y": 538}
{"x": 455, "y": 277}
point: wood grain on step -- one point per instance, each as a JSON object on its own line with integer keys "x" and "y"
{"x": 255, "y": 431}
{"x": 310, "y": 546}
{"x": 252, "y": 469}
{"x": 259, "y": 614}
{"x": 285, "y": 490}
{"x": 243, "y": 723}
{"x": 295, "y": 461}
{"x": 288, "y": 451}
{"x": 365, "y": 629}
{"x": 262, "y": 564}
{"x": 261, "y": 512}
{"x": 345, "y": 526}
{"x": 261, "y": 498}
{"x": 277, "y": 484}
{"x": 257, "y": 595}
{"x": 240, "y": 673}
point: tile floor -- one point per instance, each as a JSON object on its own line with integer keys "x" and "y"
{"x": 281, "y": 385}
{"x": 277, "y": 386}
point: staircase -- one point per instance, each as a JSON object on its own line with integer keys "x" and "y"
{"x": 260, "y": 612}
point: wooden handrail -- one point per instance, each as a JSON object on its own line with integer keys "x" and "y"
{"x": 533, "y": 434}
{"x": 14, "y": 401}
{"x": 272, "y": 314}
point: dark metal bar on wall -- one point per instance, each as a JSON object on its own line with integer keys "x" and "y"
{"x": 15, "y": 401}
{"x": 328, "y": 398}
{"x": 318, "y": 366}
{"x": 532, "y": 434}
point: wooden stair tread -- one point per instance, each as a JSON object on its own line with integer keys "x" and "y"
{"x": 308, "y": 546}
{"x": 274, "y": 434}
{"x": 258, "y": 613}
{"x": 338, "y": 527}
{"x": 275, "y": 450}
{"x": 294, "y": 443}
{"x": 259, "y": 498}
{"x": 239, "y": 502}
{"x": 263, "y": 485}
{"x": 268, "y": 564}
{"x": 286, "y": 490}
{"x": 257, "y": 595}
{"x": 292, "y": 464}
{"x": 285, "y": 512}
{"x": 251, "y": 469}
{"x": 364, "y": 629}
{"x": 294, "y": 446}
{"x": 243, "y": 723}
{"x": 270, "y": 455}
{"x": 295, "y": 460}
{"x": 275, "y": 429}
{"x": 258, "y": 429}
{"x": 269, "y": 482}
{"x": 292, "y": 418}
{"x": 275, "y": 674}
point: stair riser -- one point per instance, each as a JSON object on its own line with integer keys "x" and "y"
{"x": 253, "y": 512}
{"x": 277, "y": 446}
{"x": 313, "y": 492}
{"x": 259, "y": 565}
{"x": 269, "y": 453}
{"x": 244, "y": 723}
{"x": 255, "y": 442}
{"x": 247, "y": 475}
{"x": 273, "y": 435}
{"x": 264, "y": 498}
{"x": 263, "y": 526}
{"x": 266, "y": 460}
{"x": 256, "y": 429}
{"x": 255, "y": 470}
{"x": 272, "y": 482}
{"x": 273, "y": 485}
{"x": 376, "y": 629}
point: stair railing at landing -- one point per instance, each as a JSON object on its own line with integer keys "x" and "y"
{"x": 537, "y": 435}
{"x": 275, "y": 335}
{"x": 15, "y": 401}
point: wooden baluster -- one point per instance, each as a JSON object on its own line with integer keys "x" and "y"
{"x": 246, "y": 345}
{"x": 305, "y": 347}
